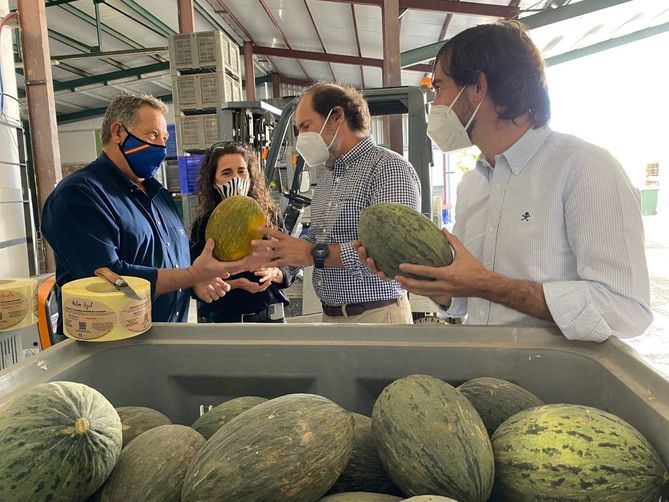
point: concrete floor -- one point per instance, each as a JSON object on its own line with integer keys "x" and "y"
{"x": 654, "y": 344}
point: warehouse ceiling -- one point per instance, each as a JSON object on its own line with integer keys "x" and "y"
{"x": 85, "y": 80}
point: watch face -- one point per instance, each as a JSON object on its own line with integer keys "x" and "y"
{"x": 321, "y": 251}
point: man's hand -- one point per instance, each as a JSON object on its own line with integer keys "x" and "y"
{"x": 281, "y": 250}
{"x": 466, "y": 276}
{"x": 206, "y": 267}
{"x": 272, "y": 274}
{"x": 250, "y": 286}
{"x": 211, "y": 291}
{"x": 368, "y": 261}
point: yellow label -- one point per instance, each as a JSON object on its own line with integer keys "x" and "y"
{"x": 13, "y": 308}
{"x": 136, "y": 316}
{"x": 87, "y": 319}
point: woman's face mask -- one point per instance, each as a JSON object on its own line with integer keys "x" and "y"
{"x": 235, "y": 186}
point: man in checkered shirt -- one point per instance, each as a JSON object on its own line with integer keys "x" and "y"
{"x": 359, "y": 174}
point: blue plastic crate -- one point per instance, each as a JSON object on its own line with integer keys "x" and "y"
{"x": 189, "y": 171}
{"x": 171, "y": 140}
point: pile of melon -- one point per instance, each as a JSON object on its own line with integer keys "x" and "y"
{"x": 426, "y": 441}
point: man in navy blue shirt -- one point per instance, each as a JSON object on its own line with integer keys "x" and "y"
{"x": 113, "y": 213}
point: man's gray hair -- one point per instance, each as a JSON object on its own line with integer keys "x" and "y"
{"x": 124, "y": 108}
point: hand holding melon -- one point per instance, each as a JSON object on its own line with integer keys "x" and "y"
{"x": 280, "y": 250}
{"x": 392, "y": 234}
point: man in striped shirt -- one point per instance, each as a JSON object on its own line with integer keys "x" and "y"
{"x": 548, "y": 227}
{"x": 334, "y": 125}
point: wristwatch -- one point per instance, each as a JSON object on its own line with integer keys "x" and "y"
{"x": 320, "y": 252}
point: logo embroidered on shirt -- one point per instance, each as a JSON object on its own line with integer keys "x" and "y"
{"x": 525, "y": 216}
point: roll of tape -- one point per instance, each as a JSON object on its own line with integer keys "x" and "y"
{"x": 18, "y": 303}
{"x": 95, "y": 311}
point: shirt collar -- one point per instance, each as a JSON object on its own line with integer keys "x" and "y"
{"x": 151, "y": 185}
{"x": 519, "y": 154}
{"x": 355, "y": 153}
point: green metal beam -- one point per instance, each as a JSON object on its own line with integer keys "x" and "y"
{"x": 70, "y": 42}
{"x": 428, "y": 52}
{"x": 105, "y": 27}
{"x": 108, "y": 77}
{"x": 420, "y": 54}
{"x": 64, "y": 118}
{"x": 212, "y": 20}
{"x": 569, "y": 11}
{"x": 81, "y": 47}
{"x": 73, "y": 69}
{"x": 21, "y": 93}
{"x": 135, "y": 18}
{"x": 607, "y": 44}
{"x": 98, "y": 112}
{"x": 53, "y": 3}
{"x": 141, "y": 11}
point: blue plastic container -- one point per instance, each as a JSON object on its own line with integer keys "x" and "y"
{"x": 189, "y": 169}
{"x": 171, "y": 141}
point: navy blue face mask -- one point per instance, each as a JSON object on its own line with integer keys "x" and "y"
{"x": 143, "y": 158}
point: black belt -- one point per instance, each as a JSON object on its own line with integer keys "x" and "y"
{"x": 355, "y": 308}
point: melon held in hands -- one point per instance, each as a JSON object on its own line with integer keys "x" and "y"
{"x": 394, "y": 233}
{"x": 233, "y": 225}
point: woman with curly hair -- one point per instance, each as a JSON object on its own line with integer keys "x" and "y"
{"x": 228, "y": 169}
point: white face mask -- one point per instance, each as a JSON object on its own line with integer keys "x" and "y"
{"x": 446, "y": 130}
{"x": 312, "y": 147}
{"x": 236, "y": 186}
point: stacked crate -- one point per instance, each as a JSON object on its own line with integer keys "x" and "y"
{"x": 205, "y": 68}
{"x": 205, "y": 74}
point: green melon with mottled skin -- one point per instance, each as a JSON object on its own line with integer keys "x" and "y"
{"x": 564, "y": 452}
{"x": 58, "y": 442}
{"x": 292, "y": 448}
{"x": 394, "y": 233}
{"x": 152, "y": 466}
{"x": 431, "y": 440}
{"x": 429, "y": 498}
{"x": 361, "y": 497}
{"x": 496, "y": 400}
{"x": 364, "y": 472}
{"x": 138, "y": 419}
{"x": 217, "y": 417}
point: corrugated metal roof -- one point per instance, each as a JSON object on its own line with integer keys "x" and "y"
{"x": 335, "y": 27}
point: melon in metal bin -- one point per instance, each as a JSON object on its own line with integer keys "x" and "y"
{"x": 360, "y": 497}
{"x": 58, "y": 442}
{"x": 566, "y": 452}
{"x": 153, "y": 465}
{"x": 394, "y": 233}
{"x": 292, "y": 448}
{"x": 217, "y": 417}
{"x": 137, "y": 419}
{"x": 364, "y": 472}
{"x": 496, "y": 400}
{"x": 432, "y": 441}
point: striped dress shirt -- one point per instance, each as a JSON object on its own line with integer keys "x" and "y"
{"x": 561, "y": 212}
{"x": 366, "y": 175}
